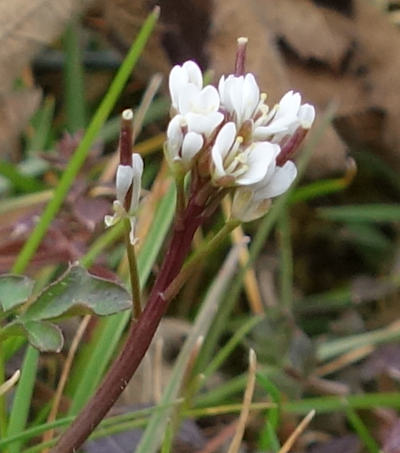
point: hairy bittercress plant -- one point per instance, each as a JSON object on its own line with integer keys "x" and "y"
{"x": 220, "y": 142}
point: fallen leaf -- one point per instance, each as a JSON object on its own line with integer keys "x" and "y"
{"x": 123, "y": 19}
{"x": 287, "y": 19}
{"x": 25, "y": 26}
{"x": 379, "y": 51}
{"x": 16, "y": 108}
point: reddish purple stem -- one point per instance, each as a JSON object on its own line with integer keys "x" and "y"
{"x": 140, "y": 335}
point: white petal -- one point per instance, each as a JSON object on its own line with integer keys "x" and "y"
{"x": 251, "y": 96}
{"x": 280, "y": 181}
{"x": 187, "y": 98}
{"x": 218, "y": 163}
{"x": 124, "y": 180}
{"x": 175, "y": 135}
{"x": 225, "y": 138}
{"x": 221, "y": 89}
{"x": 277, "y": 126}
{"x": 258, "y": 160}
{"x": 224, "y": 141}
{"x": 203, "y": 124}
{"x": 207, "y": 100}
{"x": 236, "y": 96}
{"x": 177, "y": 79}
{"x": 225, "y": 88}
{"x": 194, "y": 73}
{"x": 137, "y": 165}
{"x": 192, "y": 144}
{"x": 306, "y": 116}
{"x": 289, "y": 105}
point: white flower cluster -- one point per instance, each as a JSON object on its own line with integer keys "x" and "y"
{"x": 248, "y": 143}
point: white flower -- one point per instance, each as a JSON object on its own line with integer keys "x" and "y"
{"x": 284, "y": 119}
{"x": 240, "y": 96}
{"x": 234, "y": 165}
{"x": 200, "y": 109}
{"x": 246, "y": 145}
{"x": 182, "y": 76}
{"x": 198, "y": 105}
{"x": 128, "y": 187}
{"x": 252, "y": 202}
{"x": 181, "y": 146}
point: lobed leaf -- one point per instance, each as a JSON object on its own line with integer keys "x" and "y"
{"x": 14, "y": 290}
{"x": 78, "y": 292}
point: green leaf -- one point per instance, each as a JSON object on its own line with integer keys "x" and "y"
{"x": 14, "y": 290}
{"x": 78, "y": 292}
{"x": 44, "y": 336}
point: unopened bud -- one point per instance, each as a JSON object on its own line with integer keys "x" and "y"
{"x": 240, "y": 56}
{"x": 125, "y": 138}
{"x": 291, "y": 146}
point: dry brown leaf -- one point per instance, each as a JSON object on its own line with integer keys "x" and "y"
{"x": 25, "y": 26}
{"x": 123, "y": 19}
{"x": 380, "y": 53}
{"x": 180, "y": 33}
{"x": 232, "y": 20}
{"x": 15, "y": 111}
{"x": 298, "y": 23}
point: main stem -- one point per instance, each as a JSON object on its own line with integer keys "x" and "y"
{"x": 140, "y": 335}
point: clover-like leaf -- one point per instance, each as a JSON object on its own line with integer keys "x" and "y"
{"x": 14, "y": 290}
{"x": 42, "y": 335}
{"x": 78, "y": 292}
{"x": 45, "y": 336}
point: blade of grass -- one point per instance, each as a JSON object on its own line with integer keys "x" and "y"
{"x": 362, "y": 431}
{"x": 3, "y": 408}
{"x": 81, "y": 152}
{"x": 75, "y": 106}
{"x": 268, "y": 438}
{"x": 25, "y": 201}
{"x": 339, "y": 346}
{"x": 316, "y": 189}
{"x": 362, "y": 213}
{"x": 327, "y": 186}
{"x": 22, "y": 398}
{"x": 116, "y": 420}
{"x": 229, "y": 347}
{"x": 286, "y": 260}
{"x": 42, "y": 126}
{"x": 20, "y": 182}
